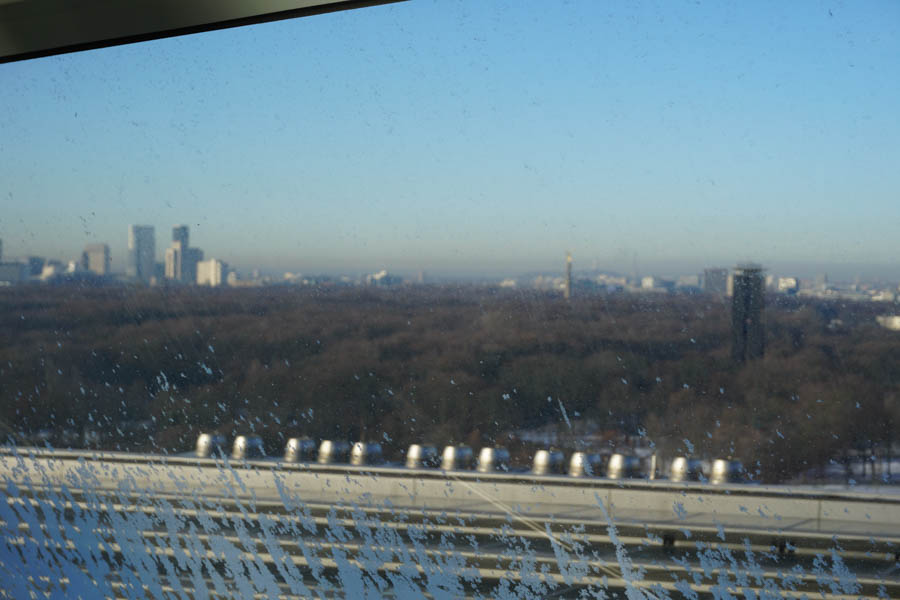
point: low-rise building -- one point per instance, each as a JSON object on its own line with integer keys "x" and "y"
{"x": 95, "y": 258}
{"x": 715, "y": 281}
{"x": 383, "y": 278}
{"x": 788, "y": 285}
{"x": 212, "y": 272}
{"x": 12, "y": 273}
{"x": 891, "y": 322}
{"x": 688, "y": 281}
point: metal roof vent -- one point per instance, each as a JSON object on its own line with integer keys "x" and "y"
{"x": 623, "y": 466}
{"x": 585, "y": 464}
{"x": 493, "y": 459}
{"x": 365, "y": 454}
{"x": 456, "y": 457}
{"x": 726, "y": 471}
{"x": 685, "y": 469}
{"x": 299, "y": 450}
{"x": 333, "y": 452}
{"x": 421, "y": 456}
{"x": 548, "y": 461}
{"x": 247, "y": 446}
{"x": 209, "y": 444}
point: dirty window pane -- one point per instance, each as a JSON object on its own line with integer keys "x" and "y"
{"x": 456, "y": 299}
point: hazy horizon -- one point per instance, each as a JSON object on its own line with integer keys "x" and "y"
{"x": 836, "y": 272}
{"x": 626, "y": 262}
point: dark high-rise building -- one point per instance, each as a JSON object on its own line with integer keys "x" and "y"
{"x": 567, "y": 292}
{"x": 192, "y": 256}
{"x": 748, "y": 302}
{"x": 141, "y": 252}
{"x": 180, "y": 233}
{"x": 715, "y": 281}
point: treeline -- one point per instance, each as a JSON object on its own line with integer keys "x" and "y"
{"x": 150, "y": 368}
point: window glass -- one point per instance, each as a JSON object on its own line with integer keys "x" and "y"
{"x": 456, "y": 299}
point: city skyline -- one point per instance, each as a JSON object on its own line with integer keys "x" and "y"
{"x": 118, "y": 260}
{"x": 180, "y": 262}
{"x": 475, "y": 139}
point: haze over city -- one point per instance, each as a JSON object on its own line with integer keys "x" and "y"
{"x": 682, "y": 138}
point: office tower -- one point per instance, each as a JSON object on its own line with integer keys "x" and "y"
{"x": 96, "y": 259}
{"x": 568, "y": 290}
{"x": 141, "y": 252}
{"x": 715, "y": 281}
{"x": 180, "y": 233}
{"x": 174, "y": 261}
{"x": 748, "y": 301}
{"x": 192, "y": 256}
{"x": 181, "y": 259}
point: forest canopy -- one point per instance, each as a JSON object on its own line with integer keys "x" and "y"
{"x": 148, "y": 369}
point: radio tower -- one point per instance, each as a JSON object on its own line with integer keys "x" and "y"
{"x": 567, "y": 293}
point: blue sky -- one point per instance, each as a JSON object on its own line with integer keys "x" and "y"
{"x": 475, "y": 137}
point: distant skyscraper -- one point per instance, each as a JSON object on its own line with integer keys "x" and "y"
{"x": 141, "y": 252}
{"x": 96, "y": 258}
{"x": 181, "y": 233}
{"x": 181, "y": 259}
{"x": 748, "y": 301}
{"x": 715, "y": 281}
{"x": 174, "y": 261}
{"x": 192, "y": 256}
{"x": 568, "y": 290}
